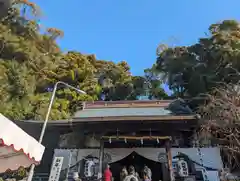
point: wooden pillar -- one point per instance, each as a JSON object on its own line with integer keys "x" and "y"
{"x": 101, "y": 153}
{"x": 169, "y": 158}
{"x": 165, "y": 175}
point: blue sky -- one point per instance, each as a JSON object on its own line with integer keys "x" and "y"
{"x": 132, "y": 29}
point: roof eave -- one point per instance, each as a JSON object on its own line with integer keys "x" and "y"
{"x": 119, "y": 118}
{"x": 136, "y": 118}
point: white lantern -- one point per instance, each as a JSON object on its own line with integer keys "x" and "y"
{"x": 88, "y": 170}
{"x": 182, "y": 168}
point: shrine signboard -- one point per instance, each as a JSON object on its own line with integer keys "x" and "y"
{"x": 56, "y": 169}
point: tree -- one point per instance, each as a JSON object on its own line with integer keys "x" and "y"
{"x": 148, "y": 85}
{"x": 221, "y": 121}
{"x": 138, "y": 87}
{"x": 154, "y": 82}
{"x": 32, "y": 62}
{"x": 195, "y": 69}
{"x": 24, "y": 60}
{"x": 115, "y": 80}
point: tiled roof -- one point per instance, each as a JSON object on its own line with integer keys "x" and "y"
{"x": 127, "y": 104}
{"x": 125, "y": 111}
{"x": 119, "y": 112}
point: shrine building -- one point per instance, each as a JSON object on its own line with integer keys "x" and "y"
{"x": 160, "y": 134}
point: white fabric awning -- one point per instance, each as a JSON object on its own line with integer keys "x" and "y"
{"x": 17, "y": 148}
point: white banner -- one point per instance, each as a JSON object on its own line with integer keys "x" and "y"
{"x": 56, "y": 169}
{"x": 211, "y": 156}
{"x": 67, "y": 155}
{"x": 115, "y": 154}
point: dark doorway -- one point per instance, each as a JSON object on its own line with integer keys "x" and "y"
{"x": 138, "y": 162}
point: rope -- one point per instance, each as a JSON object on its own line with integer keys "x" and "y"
{"x": 137, "y": 137}
{"x": 205, "y": 177}
{"x": 197, "y": 144}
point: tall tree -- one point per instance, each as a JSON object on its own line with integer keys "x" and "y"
{"x": 148, "y": 86}
{"x": 153, "y": 81}
{"x": 32, "y": 62}
{"x": 195, "y": 69}
{"x": 27, "y": 60}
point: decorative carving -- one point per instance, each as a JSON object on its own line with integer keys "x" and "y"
{"x": 180, "y": 107}
{"x": 70, "y": 140}
{"x": 91, "y": 142}
{"x": 107, "y": 158}
{"x": 162, "y": 157}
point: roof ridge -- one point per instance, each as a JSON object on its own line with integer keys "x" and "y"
{"x": 127, "y": 104}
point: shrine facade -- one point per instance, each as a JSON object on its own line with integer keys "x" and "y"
{"x": 123, "y": 133}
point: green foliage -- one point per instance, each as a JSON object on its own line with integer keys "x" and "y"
{"x": 200, "y": 67}
{"x": 31, "y": 63}
{"x": 18, "y": 174}
{"x": 154, "y": 82}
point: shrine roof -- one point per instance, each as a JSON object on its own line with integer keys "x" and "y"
{"x": 131, "y": 110}
{"x": 108, "y": 112}
{"x": 126, "y": 111}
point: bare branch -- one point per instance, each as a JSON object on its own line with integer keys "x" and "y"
{"x": 221, "y": 118}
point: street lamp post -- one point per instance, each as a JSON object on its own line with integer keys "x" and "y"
{"x": 31, "y": 172}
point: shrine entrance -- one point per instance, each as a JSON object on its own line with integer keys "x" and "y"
{"x": 138, "y": 162}
{"x": 137, "y": 151}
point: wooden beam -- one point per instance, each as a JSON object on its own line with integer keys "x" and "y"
{"x": 126, "y": 104}
{"x": 138, "y": 137}
{"x": 124, "y": 127}
{"x": 135, "y": 118}
{"x": 128, "y": 127}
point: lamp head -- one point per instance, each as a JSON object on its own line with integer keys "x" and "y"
{"x": 80, "y": 91}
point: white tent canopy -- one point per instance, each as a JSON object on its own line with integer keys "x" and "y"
{"x": 17, "y": 148}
